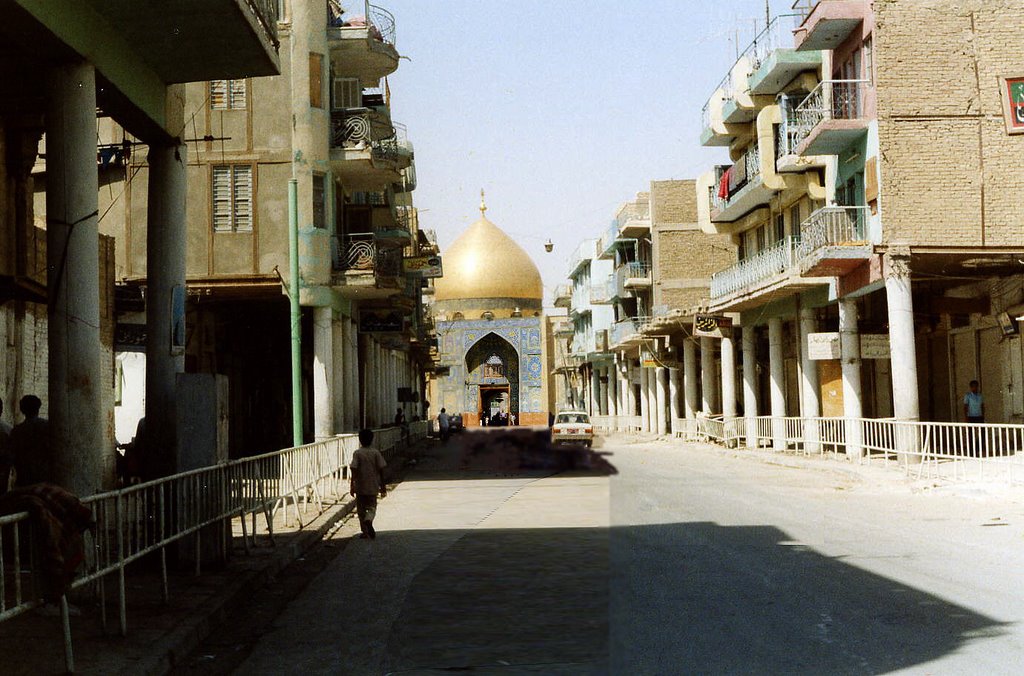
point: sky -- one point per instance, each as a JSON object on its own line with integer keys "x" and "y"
{"x": 561, "y": 110}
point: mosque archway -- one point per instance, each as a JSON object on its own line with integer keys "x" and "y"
{"x": 492, "y": 366}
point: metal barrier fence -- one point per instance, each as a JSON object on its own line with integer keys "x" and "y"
{"x": 144, "y": 519}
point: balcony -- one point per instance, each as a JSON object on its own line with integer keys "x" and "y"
{"x": 562, "y": 328}
{"x": 826, "y": 24}
{"x": 774, "y": 62}
{"x": 625, "y": 331}
{"x": 831, "y": 118}
{"x": 563, "y": 295}
{"x": 363, "y": 268}
{"x": 634, "y": 218}
{"x": 633, "y": 275}
{"x": 602, "y": 291}
{"x": 609, "y": 242}
{"x": 738, "y": 189}
{"x": 362, "y": 46}
{"x": 833, "y": 241}
{"x": 368, "y": 150}
{"x": 714, "y": 131}
{"x": 583, "y": 253}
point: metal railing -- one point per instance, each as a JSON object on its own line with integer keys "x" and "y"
{"x": 776, "y": 35}
{"x": 378, "y": 22}
{"x": 365, "y": 128}
{"x": 146, "y": 518}
{"x": 830, "y": 100}
{"x": 802, "y": 9}
{"x": 747, "y": 169}
{"x": 832, "y": 226}
{"x": 362, "y": 252}
{"x": 772, "y": 261}
{"x": 266, "y": 16}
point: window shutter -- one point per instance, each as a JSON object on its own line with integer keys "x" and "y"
{"x": 347, "y": 93}
{"x": 218, "y": 94}
{"x": 221, "y": 192}
{"x": 238, "y": 94}
{"x": 243, "y": 197}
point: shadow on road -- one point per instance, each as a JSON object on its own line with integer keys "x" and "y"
{"x": 484, "y": 452}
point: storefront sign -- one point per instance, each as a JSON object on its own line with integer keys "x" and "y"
{"x": 874, "y": 346}
{"x": 423, "y": 266}
{"x": 647, "y": 360}
{"x": 1013, "y": 103}
{"x": 823, "y": 346}
{"x": 380, "y": 321}
{"x": 711, "y": 326}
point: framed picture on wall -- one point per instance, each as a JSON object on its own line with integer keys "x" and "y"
{"x": 1012, "y": 91}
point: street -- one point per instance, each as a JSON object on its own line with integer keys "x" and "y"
{"x": 681, "y": 559}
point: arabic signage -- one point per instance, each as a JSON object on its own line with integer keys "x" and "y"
{"x": 423, "y": 266}
{"x": 1013, "y": 104}
{"x": 823, "y": 346}
{"x": 711, "y": 326}
{"x": 380, "y": 321}
{"x": 647, "y": 360}
{"x": 874, "y": 346}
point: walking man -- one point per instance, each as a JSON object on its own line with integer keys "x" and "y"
{"x": 367, "y": 482}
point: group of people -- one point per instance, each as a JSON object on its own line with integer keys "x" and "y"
{"x": 25, "y": 448}
{"x": 497, "y": 419}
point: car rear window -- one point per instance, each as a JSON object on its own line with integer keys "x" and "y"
{"x": 579, "y": 418}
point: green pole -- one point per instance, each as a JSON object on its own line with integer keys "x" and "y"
{"x": 296, "y": 312}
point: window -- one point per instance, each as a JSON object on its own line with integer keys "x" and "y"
{"x": 869, "y": 62}
{"x": 319, "y": 201}
{"x": 316, "y": 80}
{"x": 232, "y": 198}
{"x": 794, "y": 220}
{"x": 762, "y": 233}
{"x": 347, "y": 93}
{"x": 780, "y": 227}
{"x": 228, "y": 94}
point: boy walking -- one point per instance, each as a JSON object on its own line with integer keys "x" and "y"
{"x": 367, "y": 482}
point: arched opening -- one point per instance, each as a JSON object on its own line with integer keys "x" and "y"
{"x": 492, "y": 364}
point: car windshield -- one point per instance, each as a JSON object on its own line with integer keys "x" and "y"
{"x": 572, "y": 418}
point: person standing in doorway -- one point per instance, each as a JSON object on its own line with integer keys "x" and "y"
{"x": 367, "y": 482}
{"x": 974, "y": 405}
{"x": 30, "y": 444}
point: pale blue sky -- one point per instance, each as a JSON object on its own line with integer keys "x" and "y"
{"x": 561, "y": 109}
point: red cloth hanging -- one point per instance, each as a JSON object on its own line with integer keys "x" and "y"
{"x": 723, "y": 184}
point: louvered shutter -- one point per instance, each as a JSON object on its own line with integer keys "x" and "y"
{"x": 243, "y": 197}
{"x": 219, "y": 94}
{"x": 221, "y": 192}
{"x": 238, "y": 94}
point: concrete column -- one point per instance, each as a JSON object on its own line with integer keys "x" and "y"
{"x": 690, "y": 377}
{"x": 707, "y": 375}
{"x": 728, "y": 377}
{"x": 350, "y": 373}
{"x": 75, "y": 406}
{"x": 645, "y": 410}
{"x": 323, "y": 373}
{"x": 613, "y": 391}
{"x": 338, "y": 376}
{"x": 778, "y": 383}
{"x": 595, "y": 391}
{"x": 623, "y": 384}
{"x": 849, "y": 352}
{"x": 903, "y": 349}
{"x": 661, "y": 399}
{"x": 810, "y": 390}
{"x": 675, "y": 393}
{"x": 165, "y": 265}
{"x": 750, "y": 384}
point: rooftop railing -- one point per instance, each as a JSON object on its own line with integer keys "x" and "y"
{"x": 267, "y": 17}
{"x": 776, "y": 35}
{"x": 802, "y": 9}
{"x": 632, "y": 211}
{"x": 830, "y": 100}
{"x": 379, "y": 22}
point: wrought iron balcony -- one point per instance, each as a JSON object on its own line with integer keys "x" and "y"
{"x": 762, "y": 266}
{"x": 829, "y": 119}
{"x": 833, "y": 240}
{"x": 362, "y": 46}
{"x": 360, "y": 252}
{"x": 734, "y": 191}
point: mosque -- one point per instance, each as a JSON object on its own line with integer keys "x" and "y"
{"x": 492, "y": 338}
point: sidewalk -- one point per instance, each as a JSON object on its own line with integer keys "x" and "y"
{"x": 159, "y": 635}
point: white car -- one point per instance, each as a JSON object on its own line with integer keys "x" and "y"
{"x": 572, "y": 427}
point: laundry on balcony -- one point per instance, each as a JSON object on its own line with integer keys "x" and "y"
{"x": 723, "y": 184}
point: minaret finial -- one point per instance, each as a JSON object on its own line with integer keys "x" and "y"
{"x": 483, "y": 206}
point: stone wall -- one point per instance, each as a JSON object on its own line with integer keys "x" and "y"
{"x": 950, "y": 172}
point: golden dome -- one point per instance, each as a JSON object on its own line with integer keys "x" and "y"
{"x": 484, "y": 262}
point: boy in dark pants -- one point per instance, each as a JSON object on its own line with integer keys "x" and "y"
{"x": 367, "y": 481}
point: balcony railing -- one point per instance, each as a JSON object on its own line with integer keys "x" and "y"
{"x": 266, "y": 16}
{"x": 632, "y": 211}
{"x": 830, "y": 100}
{"x": 802, "y": 9}
{"x": 584, "y": 252}
{"x": 777, "y": 35}
{"x": 365, "y": 128}
{"x": 832, "y": 226}
{"x": 772, "y": 261}
{"x": 359, "y": 252}
{"x": 729, "y": 180}
{"x": 379, "y": 22}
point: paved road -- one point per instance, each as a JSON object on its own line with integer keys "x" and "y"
{"x": 687, "y": 560}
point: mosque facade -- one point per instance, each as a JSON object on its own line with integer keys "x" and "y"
{"x": 488, "y": 314}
